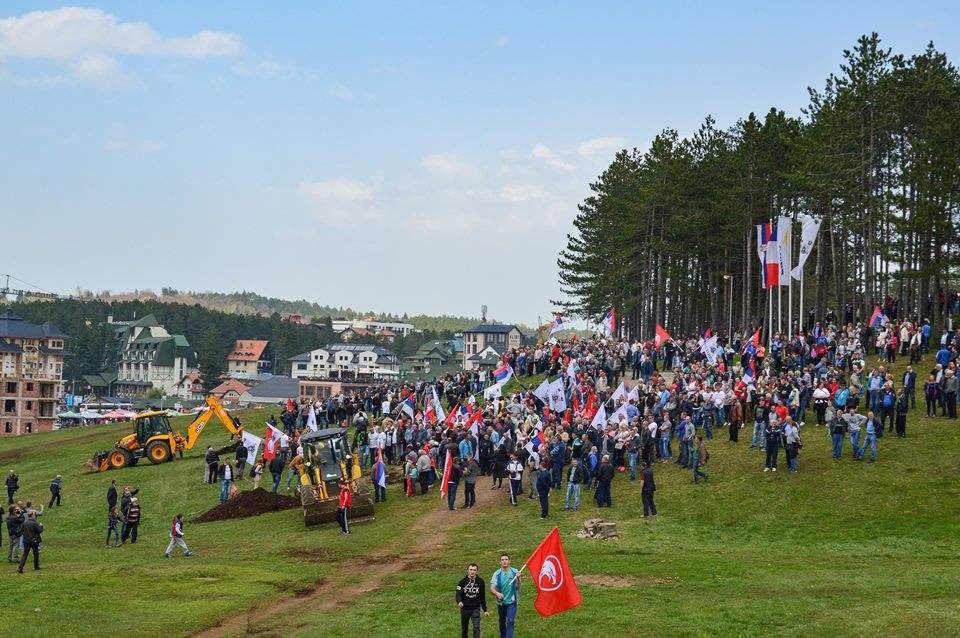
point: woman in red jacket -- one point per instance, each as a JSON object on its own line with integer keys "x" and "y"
{"x": 345, "y": 500}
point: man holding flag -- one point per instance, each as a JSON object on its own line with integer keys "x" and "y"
{"x": 505, "y": 587}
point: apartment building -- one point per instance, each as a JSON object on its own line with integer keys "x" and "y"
{"x": 31, "y": 375}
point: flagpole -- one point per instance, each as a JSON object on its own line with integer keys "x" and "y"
{"x": 788, "y": 263}
{"x": 769, "y": 315}
{"x": 779, "y": 308}
{"x": 800, "y": 322}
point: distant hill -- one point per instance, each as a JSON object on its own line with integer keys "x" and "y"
{"x": 251, "y": 303}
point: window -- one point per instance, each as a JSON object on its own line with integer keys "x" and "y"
{"x": 11, "y": 387}
{"x": 8, "y": 427}
{"x": 29, "y": 405}
{"x": 29, "y": 428}
{"x": 29, "y": 387}
{"x": 301, "y": 366}
{"x": 10, "y": 405}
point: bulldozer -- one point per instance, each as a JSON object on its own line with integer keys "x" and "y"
{"x": 154, "y": 439}
{"x": 326, "y": 461}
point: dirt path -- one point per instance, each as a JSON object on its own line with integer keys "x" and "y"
{"x": 431, "y": 530}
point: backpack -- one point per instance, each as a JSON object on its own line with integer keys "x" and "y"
{"x": 841, "y": 397}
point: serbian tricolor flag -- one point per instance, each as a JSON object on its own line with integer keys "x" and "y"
{"x": 380, "y": 470}
{"x": 750, "y": 373}
{"x": 437, "y": 408}
{"x": 661, "y": 337}
{"x": 767, "y": 238}
{"x": 556, "y": 589}
{"x": 877, "y": 319}
{"x": 609, "y": 324}
{"x": 447, "y": 473}
{"x": 557, "y": 325}
{"x": 409, "y": 407}
{"x": 503, "y": 374}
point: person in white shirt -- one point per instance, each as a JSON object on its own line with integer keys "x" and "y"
{"x": 515, "y": 471}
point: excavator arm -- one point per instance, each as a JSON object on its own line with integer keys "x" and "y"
{"x": 196, "y": 427}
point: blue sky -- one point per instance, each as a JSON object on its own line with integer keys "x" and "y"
{"x": 409, "y": 157}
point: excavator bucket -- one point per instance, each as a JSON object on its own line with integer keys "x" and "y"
{"x": 98, "y": 463}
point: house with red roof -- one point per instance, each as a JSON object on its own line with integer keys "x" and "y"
{"x": 250, "y": 359}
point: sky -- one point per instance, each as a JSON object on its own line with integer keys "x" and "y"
{"x": 418, "y": 157}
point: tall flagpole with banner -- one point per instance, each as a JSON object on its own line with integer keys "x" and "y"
{"x": 808, "y": 237}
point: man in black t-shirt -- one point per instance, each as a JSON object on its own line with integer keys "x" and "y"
{"x": 471, "y": 599}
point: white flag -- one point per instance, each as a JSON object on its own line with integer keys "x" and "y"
{"x": 808, "y": 237}
{"x": 543, "y": 391}
{"x": 252, "y": 443}
{"x": 619, "y": 393}
{"x": 279, "y": 435}
{"x": 599, "y": 419}
{"x": 615, "y": 417}
{"x": 491, "y": 393}
{"x": 558, "y": 397}
{"x": 709, "y": 348}
{"x": 634, "y": 394}
{"x": 441, "y": 415}
{"x": 785, "y": 257}
{"x": 312, "y": 420}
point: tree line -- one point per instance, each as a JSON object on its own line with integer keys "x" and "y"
{"x": 875, "y": 155}
{"x": 211, "y": 333}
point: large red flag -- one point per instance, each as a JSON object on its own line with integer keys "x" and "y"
{"x": 556, "y": 589}
{"x": 269, "y": 445}
{"x": 662, "y": 336}
{"x": 452, "y": 416}
{"x": 447, "y": 473}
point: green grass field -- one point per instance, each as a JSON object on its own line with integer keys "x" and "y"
{"x": 841, "y": 548}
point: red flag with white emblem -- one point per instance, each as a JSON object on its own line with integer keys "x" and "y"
{"x": 556, "y": 589}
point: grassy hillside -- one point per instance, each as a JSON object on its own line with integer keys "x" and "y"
{"x": 840, "y": 548}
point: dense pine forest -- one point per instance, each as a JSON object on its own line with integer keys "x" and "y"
{"x": 875, "y": 155}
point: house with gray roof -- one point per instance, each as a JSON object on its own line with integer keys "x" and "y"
{"x": 345, "y": 360}
{"x": 149, "y": 357}
{"x": 273, "y": 391}
{"x": 500, "y": 337}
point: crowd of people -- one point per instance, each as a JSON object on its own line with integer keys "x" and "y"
{"x": 626, "y": 407}
{"x": 606, "y": 407}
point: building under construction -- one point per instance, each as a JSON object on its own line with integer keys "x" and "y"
{"x": 31, "y": 375}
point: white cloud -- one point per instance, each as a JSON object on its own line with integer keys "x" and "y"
{"x": 339, "y": 189}
{"x": 96, "y": 68}
{"x": 518, "y": 193}
{"x": 88, "y": 40}
{"x": 261, "y": 69}
{"x": 449, "y": 166}
{"x": 546, "y": 155}
{"x": 598, "y": 145}
{"x": 342, "y": 200}
{"x": 341, "y": 92}
{"x": 120, "y": 143}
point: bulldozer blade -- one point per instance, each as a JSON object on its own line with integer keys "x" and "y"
{"x": 98, "y": 463}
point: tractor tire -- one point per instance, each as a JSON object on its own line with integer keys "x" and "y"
{"x": 158, "y": 452}
{"x": 118, "y": 459}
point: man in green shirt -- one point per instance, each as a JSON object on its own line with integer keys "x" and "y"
{"x": 505, "y": 587}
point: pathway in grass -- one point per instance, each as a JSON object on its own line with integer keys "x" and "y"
{"x": 430, "y": 532}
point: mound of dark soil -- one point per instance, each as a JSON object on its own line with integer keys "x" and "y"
{"x": 249, "y": 503}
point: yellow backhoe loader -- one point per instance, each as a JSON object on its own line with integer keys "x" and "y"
{"x": 154, "y": 439}
{"x": 325, "y": 462}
